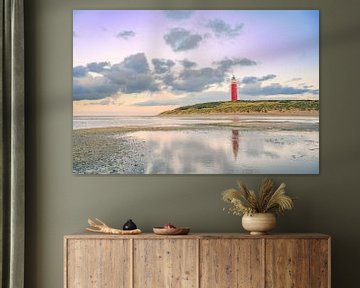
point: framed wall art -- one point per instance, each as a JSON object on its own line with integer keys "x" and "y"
{"x": 196, "y": 92}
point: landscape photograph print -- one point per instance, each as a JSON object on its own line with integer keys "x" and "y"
{"x": 195, "y": 92}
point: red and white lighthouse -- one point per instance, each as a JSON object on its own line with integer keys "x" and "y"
{"x": 234, "y": 96}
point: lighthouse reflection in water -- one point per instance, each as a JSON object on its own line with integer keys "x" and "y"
{"x": 235, "y": 142}
{"x": 220, "y": 150}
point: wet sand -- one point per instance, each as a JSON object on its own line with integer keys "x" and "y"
{"x": 253, "y": 124}
{"x": 104, "y": 151}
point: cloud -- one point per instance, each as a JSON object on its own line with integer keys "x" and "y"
{"x": 186, "y": 83}
{"x": 132, "y": 75}
{"x": 227, "y": 63}
{"x": 93, "y": 88}
{"x": 178, "y": 14}
{"x": 253, "y": 79}
{"x": 162, "y": 65}
{"x": 194, "y": 80}
{"x": 97, "y": 66}
{"x": 254, "y": 86}
{"x": 267, "y": 77}
{"x": 191, "y": 80}
{"x": 98, "y": 80}
{"x": 258, "y": 89}
{"x": 126, "y": 34}
{"x": 222, "y": 29}
{"x": 136, "y": 62}
{"x": 188, "y": 64}
{"x": 80, "y": 71}
{"x": 162, "y": 102}
{"x": 307, "y": 86}
{"x": 180, "y": 39}
{"x": 189, "y": 99}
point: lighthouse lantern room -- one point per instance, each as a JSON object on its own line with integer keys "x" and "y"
{"x": 234, "y": 96}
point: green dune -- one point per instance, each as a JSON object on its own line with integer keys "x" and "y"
{"x": 244, "y": 106}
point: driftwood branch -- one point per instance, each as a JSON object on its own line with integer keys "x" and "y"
{"x": 100, "y": 227}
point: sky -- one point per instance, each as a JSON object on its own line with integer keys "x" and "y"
{"x": 143, "y": 62}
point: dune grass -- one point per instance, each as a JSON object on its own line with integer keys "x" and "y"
{"x": 244, "y": 106}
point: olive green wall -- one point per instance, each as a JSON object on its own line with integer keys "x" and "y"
{"x": 59, "y": 203}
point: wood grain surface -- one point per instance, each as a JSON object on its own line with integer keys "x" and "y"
{"x": 287, "y": 263}
{"x": 319, "y": 263}
{"x": 231, "y": 263}
{"x": 197, "y": 260}
{"x": 98, "y": 263}
{"x": 165, "y": 263}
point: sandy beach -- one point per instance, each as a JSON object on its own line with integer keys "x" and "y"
{"x": 106, "y": 151}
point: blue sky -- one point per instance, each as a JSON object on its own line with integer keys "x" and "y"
{"x": 136, "y": 62}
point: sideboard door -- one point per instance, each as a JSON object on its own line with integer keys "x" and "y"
{"x": 297, "y": 263}
{"x": 287, "y": 263}
{"x": 170, "y": 263}
{"x": 231, "y": 263}
{"x": 98, "y": 263}
{"x": 320, "y": 263}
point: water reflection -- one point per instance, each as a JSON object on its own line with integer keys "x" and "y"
{"x": 235, "y": 140}
{"x": 206, "y": 151}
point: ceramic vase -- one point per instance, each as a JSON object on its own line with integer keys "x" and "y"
{"x": 259, "y": 223}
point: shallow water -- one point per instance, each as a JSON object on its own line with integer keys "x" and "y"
{"x": 83, "y": 122}
{"x": 230, "y": 151}
{"x": 211, "y": 145}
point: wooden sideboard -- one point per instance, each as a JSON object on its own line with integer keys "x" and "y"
{"x": 197, "y": 260}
